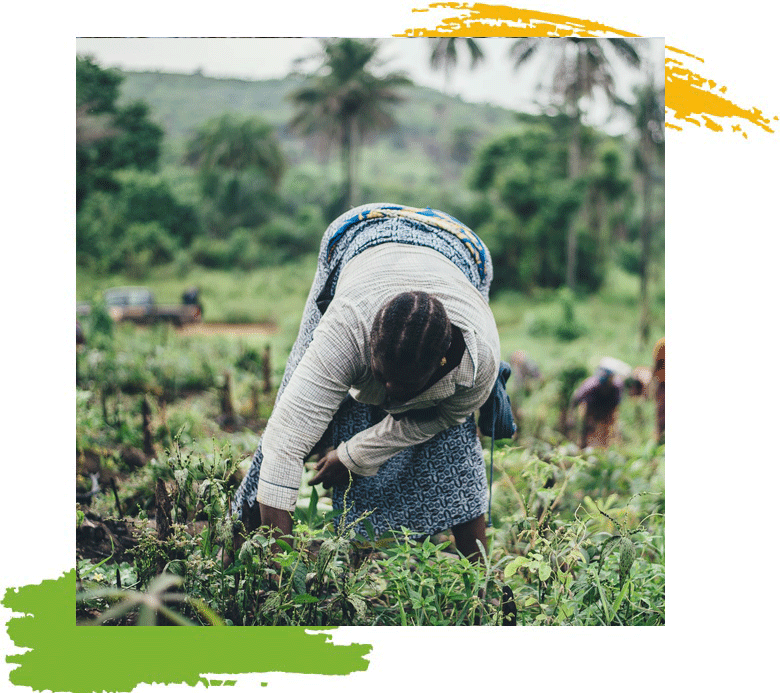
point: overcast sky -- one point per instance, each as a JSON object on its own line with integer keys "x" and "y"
{"x": 494, "y": 81}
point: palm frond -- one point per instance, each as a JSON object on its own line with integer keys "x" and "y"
{"x": 522, "y": 49}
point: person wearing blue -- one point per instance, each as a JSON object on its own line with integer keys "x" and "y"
{"x": 397, "y": 349}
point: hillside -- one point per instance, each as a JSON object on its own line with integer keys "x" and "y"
{"x": 181, "y": 102}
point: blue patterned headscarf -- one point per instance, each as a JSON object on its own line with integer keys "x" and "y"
{"x": 431, "y": 217}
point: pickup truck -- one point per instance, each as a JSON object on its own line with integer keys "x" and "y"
{"x": 136, "y": 304}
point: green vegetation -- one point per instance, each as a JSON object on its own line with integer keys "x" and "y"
{"x": 188, "y": 181}
{"x": 563, "y": 519}
{"x": 506, "y": 175}
{"x": 345, "y": 102}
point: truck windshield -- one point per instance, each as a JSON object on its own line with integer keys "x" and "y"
{"x": 129, "y": 297}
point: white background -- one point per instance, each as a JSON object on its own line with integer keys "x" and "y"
{"x": 721, "y": 232}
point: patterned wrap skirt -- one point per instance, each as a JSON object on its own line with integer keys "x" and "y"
{"x": 428, "y": 487}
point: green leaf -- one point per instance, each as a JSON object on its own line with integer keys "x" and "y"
{"x": 402, "y": 613}
{"x": 358, "y": 603}
{"x": 146, "y": 616}
{"x": 513, "y": 566}
{"x": 97, "y": 565}
{"x": 207, "y": 612}
{"x": 544, "y": 571}
{"x": 177, "y": 618}
{"x": 299, "y": 578}
{"x": 618, "y": 602}
{"x": 313, "y": 505}
{"x": 284, "y": 545}
{"x": 369, "y": 527}
{"x": 305, "y": 599}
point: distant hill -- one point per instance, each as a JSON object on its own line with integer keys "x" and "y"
{"x": 181, "y": 102}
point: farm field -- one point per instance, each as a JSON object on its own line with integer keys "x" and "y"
{"x": 167, "y": 421}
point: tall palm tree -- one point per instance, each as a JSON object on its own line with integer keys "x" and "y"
{"x": 344, "y": 101}
{"x": 583, "y": 68}
{"x": 445, "y": 53}
{"x": 648, "y": 111}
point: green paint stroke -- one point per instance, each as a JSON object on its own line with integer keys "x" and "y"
{"x": 66, "y": 657}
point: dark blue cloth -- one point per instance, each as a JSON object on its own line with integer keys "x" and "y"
{"x": 495, "y": 415}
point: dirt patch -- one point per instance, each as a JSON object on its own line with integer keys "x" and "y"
{"x": 239, "y": 329}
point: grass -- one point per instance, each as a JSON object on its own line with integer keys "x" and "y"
{"x": 274, "y": 294}
{"x": 563, "y": 518}
{"x": 277, "y": 294}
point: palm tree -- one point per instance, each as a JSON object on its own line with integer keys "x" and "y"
{"x": 236, "y": 144}
{"x": 582, "y": 69}
{"x": 240, "y": 165}
{"x": 444, "y": 54}
{"x": 648, "y": 113}
{"x": 344, "y": 101}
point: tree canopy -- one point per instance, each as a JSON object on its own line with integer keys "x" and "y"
{"x": 344, "y": 101}
{"x": 583, "y": 66}
{"x": 109, "y": 138}
{"x": 240, "y": 166}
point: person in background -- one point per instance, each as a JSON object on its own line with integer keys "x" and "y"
{"x": 191, "y": 297}
{"x": 659, "y": 377}
{"x": 397, "y": 349}
{"x": 598, "y": 398}
{"x": 526, "y": 373}
{"x": 638, "y": 383}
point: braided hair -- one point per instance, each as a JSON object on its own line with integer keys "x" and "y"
{"x": 411, "y": 332}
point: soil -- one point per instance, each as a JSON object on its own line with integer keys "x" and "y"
{"x": 99, "y": 538}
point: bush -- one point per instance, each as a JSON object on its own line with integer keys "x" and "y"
{"x": 628, "y": 256}
{"x": 138, "y": 227}
{"x": 284, "y": 239}
{"x": 213, "y": 253}
{"x": 568, "y": 328}
{"x": 148, "y": 198}
{"x": 142, "y": 246}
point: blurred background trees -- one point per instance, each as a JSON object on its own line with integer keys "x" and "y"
{"x": 109, "y": 137}
{"x": 184, "y": 170}
{"x": 239, "y": 165}
{"x": 344, "y": 102}
{"x": 582, "y": 67}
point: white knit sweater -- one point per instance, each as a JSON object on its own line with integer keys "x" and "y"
{"x": 336, "y": 363}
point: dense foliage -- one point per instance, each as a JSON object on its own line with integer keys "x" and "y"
{"x": 577, "y": 536}
{"x": 109, "y": 137}
{"x": 205, "y": 183}
{"x": 269, "y": 199}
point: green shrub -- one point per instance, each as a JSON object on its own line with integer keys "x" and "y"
{"x": 628, "y": 256}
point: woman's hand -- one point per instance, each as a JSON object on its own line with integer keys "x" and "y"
{"x": 330, "y": 471}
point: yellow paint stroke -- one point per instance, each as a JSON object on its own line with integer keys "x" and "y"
{"x": 691, "y": 98}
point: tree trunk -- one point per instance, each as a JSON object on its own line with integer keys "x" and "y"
{"x": 349, "y": 156}
{"x": 575, "y": 166}
{"x": 146, "y": 415}
{"x": 226, "y": 403}
{"x": 575, "y": 170}
{"x": 644, "y": 261}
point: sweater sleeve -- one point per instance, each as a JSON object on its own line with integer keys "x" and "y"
{"x": 366, "y": 451}
{"x": 307, "y": 405}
